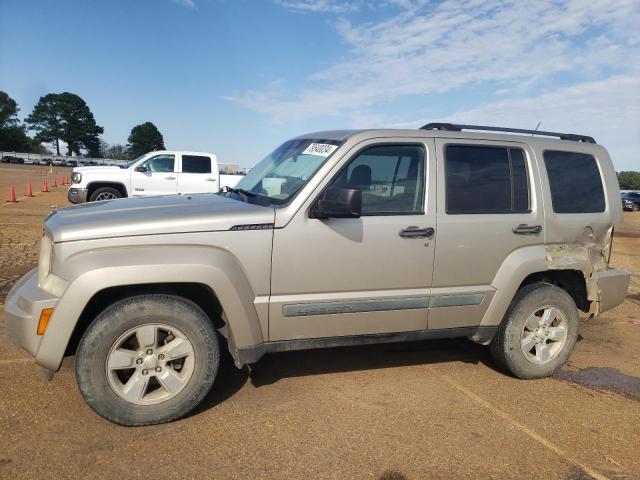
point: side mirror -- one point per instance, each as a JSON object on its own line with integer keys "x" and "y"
{"x": 339, "y": 203}
{"x": 142, "y": 168}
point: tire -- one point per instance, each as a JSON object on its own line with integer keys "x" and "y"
{"x": 635, "y": 207}
{"x": 525, "y": 347}
{"x": 105, "y": 193}
{"x": 111, "y": 361}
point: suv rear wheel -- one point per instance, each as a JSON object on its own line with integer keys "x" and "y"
{"x": 147, "y": 359}
{"x": 538, "y": 332}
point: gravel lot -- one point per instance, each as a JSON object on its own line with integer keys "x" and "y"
{"x": 434, "y": 409}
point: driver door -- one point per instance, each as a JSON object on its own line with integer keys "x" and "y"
{"x": 360, "y": 276}
{"x": 157, "y": 177}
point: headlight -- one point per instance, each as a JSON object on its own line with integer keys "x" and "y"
{"x": 76, "y": 177}
{"x": 47, "y": 280}
{"x": 45, "y": 261}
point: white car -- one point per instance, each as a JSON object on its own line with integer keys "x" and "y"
{"x": 155, "y": 173}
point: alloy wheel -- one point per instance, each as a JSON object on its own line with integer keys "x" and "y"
{"x": 544, "y": 335}
{"x": 150, "y": 364}
{"x": 105, "y": 196}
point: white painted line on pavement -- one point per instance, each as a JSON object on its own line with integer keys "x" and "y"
{"x": 523, "y": 428}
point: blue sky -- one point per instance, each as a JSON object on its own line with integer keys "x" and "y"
{"x": 238, "y": 77}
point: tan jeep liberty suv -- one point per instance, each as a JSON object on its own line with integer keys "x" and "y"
{"x": 336, "y": 238}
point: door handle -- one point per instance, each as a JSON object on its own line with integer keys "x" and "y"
{"x": 524, "y": 229}
{"x": 415, "y": 232}
{"x": 169, "y": 178}
{"x": 210, "y": 179}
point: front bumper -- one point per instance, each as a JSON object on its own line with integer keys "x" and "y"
{"x": 77, "y": 195}
{"x": 22, "y": 311}
{"x": 612, "y": 288}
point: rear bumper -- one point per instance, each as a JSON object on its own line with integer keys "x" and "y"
{"x": 22, "y": 311}
{"x": 612, "y": 288}
{"x": 77, "y": 195}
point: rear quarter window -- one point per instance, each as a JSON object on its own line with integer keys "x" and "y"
{"x": 196, "y": 164}
{"x": 485, "y": 180}
{"x": 575, "y": 182}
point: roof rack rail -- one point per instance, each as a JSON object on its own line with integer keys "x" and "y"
{"x": 454, "y": 127}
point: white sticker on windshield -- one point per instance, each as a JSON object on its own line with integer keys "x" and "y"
{"x": 320, "y": 149}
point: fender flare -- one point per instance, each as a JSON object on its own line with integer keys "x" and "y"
{"x": 108, "y": 183}
{"x": 516, "y": 267}
{"x": 534, "y": 259}
{"x": 94, "y": 271}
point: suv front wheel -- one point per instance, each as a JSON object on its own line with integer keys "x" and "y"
{"x": 538, "y": 332}
{"x": 147, "y": 359}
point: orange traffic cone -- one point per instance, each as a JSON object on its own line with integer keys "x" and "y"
{"x": 45, "y": 187}
{"x": 12, "y": 195}
{"x": 29, "y": 190}
{"x": 62, "y": 181}
{"x": 54, "y": 183}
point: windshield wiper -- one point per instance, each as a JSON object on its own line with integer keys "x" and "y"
{"x": 239, "y": 191}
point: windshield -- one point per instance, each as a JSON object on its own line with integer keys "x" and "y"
{"x": 278, "y": 178}
{"x": 131, "y": 162}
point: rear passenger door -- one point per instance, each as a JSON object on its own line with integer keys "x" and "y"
{"x": 197, "y": 174}
{"x": 487, "y": 208}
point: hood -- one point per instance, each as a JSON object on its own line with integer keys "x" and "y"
{"x": 153, "y": 216}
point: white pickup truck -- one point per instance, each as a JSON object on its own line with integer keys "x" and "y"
{"x": 155, "y": 173}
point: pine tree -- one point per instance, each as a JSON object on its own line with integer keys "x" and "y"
{"x": 67, "y": 117}
{"x": 144, "y": 138}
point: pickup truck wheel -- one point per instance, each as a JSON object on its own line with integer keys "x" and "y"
{"x": 538, "y": 332}
{"x": 105, "y": 193}
{"x": 147, "y": 359}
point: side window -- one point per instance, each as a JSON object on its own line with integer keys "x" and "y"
{"x": 575, "y": 182}
{"x": 196, "y": 164}
{"x": 160, "y": 163}
{"x": 485, "y": 180}
{"x": 391, "y": 178}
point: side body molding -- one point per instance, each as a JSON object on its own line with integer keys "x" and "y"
{"x": 91, "y": 271}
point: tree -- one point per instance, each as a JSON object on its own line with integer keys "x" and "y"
{"x": 12, "y": 133}
{"x": 14, "y": 139}
{"x": 144, "y": 138}
{"x": 65, "y": 116}
{"x": 629, "y": 180}
{"x": 115, "y": 151}
{"x": 8, "y": 111}
{"x": 46, "y": 120}
{"x": 37, "y": 147}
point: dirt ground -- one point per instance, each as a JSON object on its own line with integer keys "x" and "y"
{"x": 427, "y": 410}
